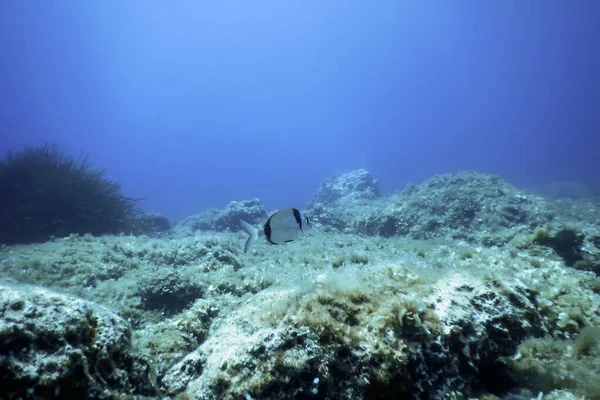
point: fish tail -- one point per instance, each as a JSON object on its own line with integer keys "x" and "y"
{"x": 252, "y": 234}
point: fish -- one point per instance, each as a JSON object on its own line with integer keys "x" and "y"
{"x": 283, "y": 226}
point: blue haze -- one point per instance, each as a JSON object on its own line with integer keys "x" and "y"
{"x": 191, "y": 104}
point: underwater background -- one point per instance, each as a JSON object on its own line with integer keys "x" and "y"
{"x": 190, "y": 105}
{"x": 442, "y": 159}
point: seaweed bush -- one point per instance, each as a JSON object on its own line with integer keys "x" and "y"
{"x": 45, "y": 192}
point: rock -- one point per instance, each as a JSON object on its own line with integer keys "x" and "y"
{"x": 331, "y": 217}
{"x": 58, "y": 346}
{"x": 168, "y": 341}
{"x": 565, "y": 242}
{"x": 569, "y": 244}
{"x": 359, "y": 184}
{"x": 168, "y": 291}
{"x": 251, "y": 211}
{"x": 347, "y": 341}
{"x": 227, "y": 219}
{"x": 339, "y": 200}
{"x": 151, "y": 223}
{"x": 332, "y": 315}
{"x": 203, "y": 221}
{"x": 468, "y": 206}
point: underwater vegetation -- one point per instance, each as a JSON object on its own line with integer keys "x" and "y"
{"x": 46, "y": 193}
{"x": 460, "y": 288}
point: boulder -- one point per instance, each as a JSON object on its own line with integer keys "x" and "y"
{"x": 58, "y": 346}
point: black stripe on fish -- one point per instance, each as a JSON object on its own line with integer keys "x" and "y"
{"x": 267, "y": 229}
{"x": 298, "y": 217}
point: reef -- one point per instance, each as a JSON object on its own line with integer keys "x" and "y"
{"x": 462, "y": 287}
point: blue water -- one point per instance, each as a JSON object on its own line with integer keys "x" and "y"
{"x": 192, "y": 104}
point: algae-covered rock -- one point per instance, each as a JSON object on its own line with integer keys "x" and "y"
{"x": 359, "y": 184}
{"x": 344, "y": 340}
{"x": 166, "y": 342}
{"x": 168, "y": 291}
{"x": 251, "y": 211}
{"x": 203, "y": 221}
{"x": 57, "y": 346}
{"x": 340, "y": 218}
{"x": 334, "y": 314}
{"x": 228, "y": 219}
{"x": 151, "y": 223}
{"x": 566, "y": 242}
{"x": 545, "y": 364}
{"x": 469, "y": 206}
{"x": 569, "y": 243}
{"x": 339, "y": 200}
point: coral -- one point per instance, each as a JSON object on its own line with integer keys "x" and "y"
{"x": 47, "y": 193}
